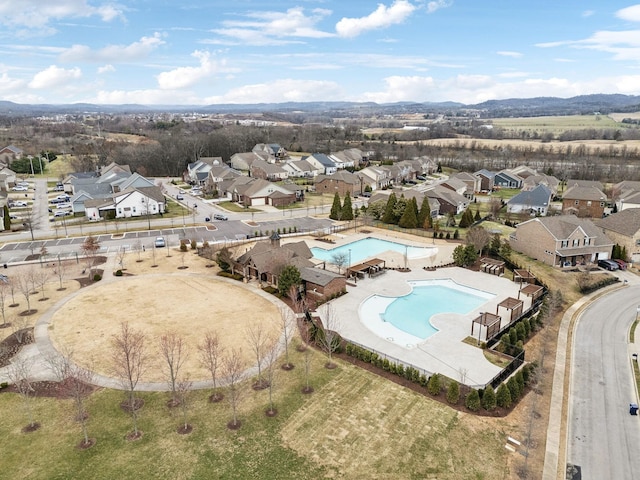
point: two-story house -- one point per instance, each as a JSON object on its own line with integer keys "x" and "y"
{"x": 584, "y": 201}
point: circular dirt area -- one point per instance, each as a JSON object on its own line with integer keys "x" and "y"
{"x": 189, "y": 305}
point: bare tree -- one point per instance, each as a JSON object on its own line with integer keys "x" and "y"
{"x": 20, "y": 329}
{"x": 340, "y": 259}
{"x": 173, "y": 350}
{"x": 41, "y": 277}
{"x": 305, "y": 334}
{"x": 60, "y": 271}
{"x": 89, "y": 249}
{"x": 287, "y": 322}
{"x": 122, "y": 251}
{"x": 20, "y": 376}
{"x": 258, "y": 341}
{"x": 271, "y": 357}
{"x": 13, "y": 286}
{"x": 129, "y": 360}
{"x": 327, "y": 336}
{"x": 25, "y": 281}
{"x": 4, "y": 292}
{"x": 210, "y": 358}
{"x": 233, "y": 369}
{"x": 137, "y": 246}
{"x": 479, "y": 237}
{"x": 183, "y": 388}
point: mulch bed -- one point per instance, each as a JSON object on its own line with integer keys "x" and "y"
{"x": 11, "y": 345}
{"x": 184, "y": 429}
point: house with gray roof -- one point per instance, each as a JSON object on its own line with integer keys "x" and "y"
{"x": 268, "y": 171}
{"x": 561, "y": 240}
{"x": 323, "y": 163}
{"x": 300, "y": 169}
{"x": 549, "y": 181}
{"x": 624, "y": 229}
{"x": 584, "y": 201}
{"x": 532, "y": 202}
{"x": 243, "y": 161}
{"x": 486, "y": 179}
{"x": 10, "y": 153}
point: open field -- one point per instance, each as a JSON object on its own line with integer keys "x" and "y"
{"x": 557, "y": 124}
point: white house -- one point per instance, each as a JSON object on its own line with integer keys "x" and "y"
{"x": 132, "y": 202}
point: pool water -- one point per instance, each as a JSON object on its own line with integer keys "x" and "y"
{"x": 370, "y": 247}
{"x": 412, "y": 313}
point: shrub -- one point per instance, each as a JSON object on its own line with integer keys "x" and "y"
{"x": 385, "y": 365}
{"x": 513, "y": 336}
{"x": 503, "y": 396}
{"x": 448, "y": 236}
{"x": 235, "y": 276}
{"x": 400, "y": 370}
{"x": 514, "y": 389}
{"x": 194, "y": 244}
{"x": 472, "y": 400}
{"x": 118, "y": 273}
{"x": 520, "y": 331}
{"x": 433, "y": 386}
{"x": 489, "y": 398}
{"x": 97, "y": 277}
{"x": 183, "y": 247}
{"x": 4, "y": 385}
{"x": 520, "y": 380}
{"x": 456, "y": 234}
{"x": 423, "y": 380}
{"x": 527, "y": 327}
{"x": 453, "y": 393}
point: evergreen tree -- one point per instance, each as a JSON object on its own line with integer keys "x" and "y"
{"x": 477, "y": 218}
{"x": 503, "y": 396}
{"x": 409, "y": 218}
{"x": 347, "y": 209}
{"x": 424, "y": 213}
{"x": 336, "y": 208}
{"x": 388, "y": 216}
{"x": 514, "y": 388}
{"x": 433, "y": 386}
{"x": 453, "y": 393}
{"x": 472, "y": 401}
{"x": 494, "y": 245}
{"x": 465, "y": 222}
{"x": 7, "y": 219}
{"x": 489, "y": 398}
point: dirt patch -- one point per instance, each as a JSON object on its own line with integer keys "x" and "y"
{"x": 11, "y": 345}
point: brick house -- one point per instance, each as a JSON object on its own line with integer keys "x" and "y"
{"x": 584, "y": 201}
{"x": 561, "y": 240}
{"x": 624, "y": 229}
{"x": 342, "y": 182}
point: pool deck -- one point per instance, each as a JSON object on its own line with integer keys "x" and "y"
{"x": 444, "y": 352}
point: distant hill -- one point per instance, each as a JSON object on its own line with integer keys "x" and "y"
{"x": 514, "y": 107}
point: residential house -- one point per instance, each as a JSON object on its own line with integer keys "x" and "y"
{"x": 523, "y": 171}
{"x": 561, "y": 240}
{"x": 424, "y": 165}
{"x": 458, "y": 186}
{"x": 349, "y": 158}
{"x": 450, "y": 201}
{"x": 267, "y": 171}
{"x": 507, "y": 179}
{"x": 9, "y": 177}
{"x": 273, "y": 150}
{"x": 626, "y": 194}
{"x": 243, "y": 161}
{"x": 584, "y": 201}
{"x": 623, "y": 228}
{"x": 131, "y": 202}
{"x": 217, "y": 175}
{"x": 341, "y": 182}
{"x": 261, "y": 192}
{"x": 401, "y": 172}
{"x": 532, "y": 202}
{"x": 198, "y": 171}
{"x": 486, "y": 180}
{"x": 323, "y": 163}
{"x": 472, "y": 182}
{"x": 549, "y": 181}
{"x": 300, "y": 169}
{"x": 10, "y": 153}
{"x": 376, "y": 177}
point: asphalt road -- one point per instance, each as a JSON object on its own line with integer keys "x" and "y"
{"x": 604, "y": 439}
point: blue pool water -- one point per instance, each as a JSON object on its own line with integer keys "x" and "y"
{"x": 412, "y": 313}
{"x": 369, "y": 247}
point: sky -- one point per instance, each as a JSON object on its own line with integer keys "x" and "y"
{"x": 203, "y": 52}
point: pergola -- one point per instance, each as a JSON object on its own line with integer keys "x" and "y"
{"x": 373, "y": 267}
{"x": 523, "y": 276}
{"x": 489, "y": 265}
{"x": 513, "y": 304}
{"x": 532, "y": 291}
{"x": 491, "y": 323}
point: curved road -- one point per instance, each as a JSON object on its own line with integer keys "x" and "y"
{"x": 603, "y": 438}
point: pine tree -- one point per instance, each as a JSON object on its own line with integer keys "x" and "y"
{"x": 472, "y": 401}
{"x": 424, "y": 213}
{"x": 514, "y": 388}
{"x": 409, "y": 218}
{"x": 489, "y": 398}
{"x": 347, "y": 209}
{"x": 336, "y": 208}
{"x": 7, "y": 219}
{"x": 477, "y": 218}
{"x": 503, "y": 396}
{"x": 464, "y": 220}
{"x": 389, "y": 215}
{"x": 453, "y": 393}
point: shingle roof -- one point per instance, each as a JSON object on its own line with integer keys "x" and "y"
{"x": 318, "y": 276}
{"x": 562, "y": 226}
{"x": 626, "y": 222}
{"x": 578, "y": 192}
{"x": 538, "y": 197}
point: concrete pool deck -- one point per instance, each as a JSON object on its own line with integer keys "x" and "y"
{"x": 444, "y": 352}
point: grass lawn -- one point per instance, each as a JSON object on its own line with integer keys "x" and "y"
{"x": 355, "y": 425}
{"x": 235, "y": 207}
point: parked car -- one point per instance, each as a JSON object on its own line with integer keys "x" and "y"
{"x": 60, "y": 213}
{"x": 621, "y": 263}
{"x": 608, "y": 265}
{"x": 19, "y": 188}
{"x": 179, "y": 197}
{"x": 220, "y": 216}
{"x": 64, "y": 197}
{"x": 159, "y": 243}
{"x": 18, "y": 203}
{"x": 59, "y": 187}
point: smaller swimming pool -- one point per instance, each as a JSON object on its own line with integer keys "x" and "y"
{"x": 406, "y": 320}
{"x": 371, "y": 247}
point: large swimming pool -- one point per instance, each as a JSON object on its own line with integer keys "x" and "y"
{"x": 371, "y": 247}
{"x": 407, "y": 319}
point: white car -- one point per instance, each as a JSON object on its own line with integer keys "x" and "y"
{"x": 160, "y": 242}
{"x": 19, "y": 188}
{"x": 18, "y": 203}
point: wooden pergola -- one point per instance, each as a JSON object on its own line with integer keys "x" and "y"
{"x": 489, "y": 265}
{"x": 533, "y": 291}
{"x": 491, "y": 323}
{"x": 514, "y": 305}
{"x": 523, "y": 276}
{"x": 372, "y": 267}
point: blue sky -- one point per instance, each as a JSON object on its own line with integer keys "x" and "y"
{"x": 168, "y": 52}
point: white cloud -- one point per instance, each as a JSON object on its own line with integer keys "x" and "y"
{"x": 399, "y": 89}
{"x": 106, "y": 69}
{"x": 285, "y": 90}
{"x": 144, "y": 97}
{"x": 631, "y": 13}
{"x": 382, "y": 17}
{"x": 186, "y": 76}
{"x": 273, "y": 28}
{"x": 505, "y": 53}
{"x": 36, "y": 15}
{"x": 8, "y": 84}
{"x": 437, "y": 5}
{"x": 113, "y": 53}
{"x": 53, "y": 77}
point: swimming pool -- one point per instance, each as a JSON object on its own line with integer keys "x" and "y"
{"x": 370, "y": 247}
{"x": 406, "y": 320}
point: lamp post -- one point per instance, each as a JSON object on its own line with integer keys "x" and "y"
{"x": 349, "y": 263}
